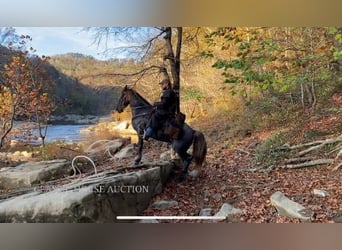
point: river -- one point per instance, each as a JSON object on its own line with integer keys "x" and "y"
{"x": 28, "y": 131}
{"x": 65, "y": 133}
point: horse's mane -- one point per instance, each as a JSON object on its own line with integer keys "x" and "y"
{"x": 141, "y": 97}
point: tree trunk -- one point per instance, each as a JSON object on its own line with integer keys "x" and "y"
{"x": 309, "y": 94}
{"x": 174, "y": 59}
{"x": 302, "y": 95}
{"x": 7, "y": 126}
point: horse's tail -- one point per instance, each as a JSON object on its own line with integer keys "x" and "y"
{"x": 199, "y": 150}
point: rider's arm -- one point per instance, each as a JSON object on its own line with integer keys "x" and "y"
{"x": 164, "y": 101}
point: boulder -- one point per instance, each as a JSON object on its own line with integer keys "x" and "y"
{"x": 163, "y": 204}
{"x": 206, "y": 212}
{"x": 125, "y": 152}
{"x": 31, "y": 173}
{"x": 289, "y": 208}
{"x": 227, "y": 210}
{"x": 320, "y": 192}
{"x": 97, "y": 198}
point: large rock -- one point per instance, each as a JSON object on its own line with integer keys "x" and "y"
{"x": 163, "y": 204}
{"x": 126, "y": 152}
{"x": 227, "y": 210}
{"x": 320, "y": 192}
{"x": 28, "y": 174}
{"x": 103, "y": 146}
{"x": 289, "y": 208}
{"x": 98, "y": 198}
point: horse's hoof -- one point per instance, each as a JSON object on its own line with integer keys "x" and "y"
{"x": 137, "y": 161}
{"x": 181, "y": 178}
{"x": 188, "y": 160}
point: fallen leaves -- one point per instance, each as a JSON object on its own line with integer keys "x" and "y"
{"x": 225, "y": 180}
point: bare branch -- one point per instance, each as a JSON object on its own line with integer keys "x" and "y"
{"x": 300, "y": 159}
{"x": 108, "y": 74}
{"x": 136, "y": 42}
{"x": 337, "y": 166}
{"x": 310, "y": 163}
{"x": 322, "y": 143}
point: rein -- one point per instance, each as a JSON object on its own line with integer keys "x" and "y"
{"x": 142, "y": 114}
{"x": 139, "y": 107}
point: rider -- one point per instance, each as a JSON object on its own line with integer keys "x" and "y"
{"x": 165, "y": 109}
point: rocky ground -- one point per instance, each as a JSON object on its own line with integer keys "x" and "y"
{"x": 232, "y": 176}
{"x": 227, "y": 179}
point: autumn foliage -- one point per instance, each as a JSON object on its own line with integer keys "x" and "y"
{"x": 23, "y": 89}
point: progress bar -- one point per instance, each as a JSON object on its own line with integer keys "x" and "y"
{"x": 171, "y": 217}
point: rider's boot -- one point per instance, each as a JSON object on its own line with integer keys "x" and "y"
{"x": 147, "y": 133}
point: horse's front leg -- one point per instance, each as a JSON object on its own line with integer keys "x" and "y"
{"x": 140, "y": 148}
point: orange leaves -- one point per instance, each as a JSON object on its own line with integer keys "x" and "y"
{"x": 22, "y": 88}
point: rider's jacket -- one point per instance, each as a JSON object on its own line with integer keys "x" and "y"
{"x": 168, "y": 102}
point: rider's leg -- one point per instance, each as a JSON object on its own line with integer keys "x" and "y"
{"x": 147, "y": 133}
{"x": 149, "y": 128}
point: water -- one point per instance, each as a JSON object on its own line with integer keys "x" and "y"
{"x": 65, "y": 133}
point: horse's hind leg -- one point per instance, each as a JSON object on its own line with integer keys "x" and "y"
{"x": 186, "y": 160}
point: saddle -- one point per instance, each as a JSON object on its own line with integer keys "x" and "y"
{"x": 173, "y": 128}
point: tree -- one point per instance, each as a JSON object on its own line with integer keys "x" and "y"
{"x": 7, "y": 36}
{"x": 274, "y": 61}
{"x": 40, "y": 105}
{"x": 22, "y": 89}
{"x": 14, "y": 93}
{"x": 245, "y": 71}
{"x": 144, "y": 43}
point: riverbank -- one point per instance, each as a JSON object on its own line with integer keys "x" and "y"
{"x": 64, "y": 128}
{"x": 107, "y": 129}
{"x": 29, "y": 133}
{"x": 72, "y": 119}
{"x": 24, "y": 140}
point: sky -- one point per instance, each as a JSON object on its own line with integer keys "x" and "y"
{"x": 51, "y": 41}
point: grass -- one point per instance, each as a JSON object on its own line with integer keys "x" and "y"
{"x": 269, "y": 152}
{"x": 314, "y": 134}
{"x": 59, "y": 150}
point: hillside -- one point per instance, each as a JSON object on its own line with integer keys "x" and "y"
{"x": 239, "y": 174}
{"x": 71, "y": 94}
{"x": 77, "y": 95}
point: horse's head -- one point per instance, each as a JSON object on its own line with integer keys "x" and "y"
{"x": 131, "y": 97}
{"x": 124, "y": 99}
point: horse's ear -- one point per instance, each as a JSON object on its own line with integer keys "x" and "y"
{"x": 125, "y": 88}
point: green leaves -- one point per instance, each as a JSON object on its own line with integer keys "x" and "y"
{"x": 337, "y": 48}
{"x": 245, "y": 69}
{"x": 277, "y": 61}
{"x": 219, "y": 64}
{"x": 193, "y": 94}
{"x": 337, "y": 54}
{"x": 206, "y": 54}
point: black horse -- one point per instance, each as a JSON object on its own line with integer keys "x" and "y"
{"x": 141, "y": 113}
